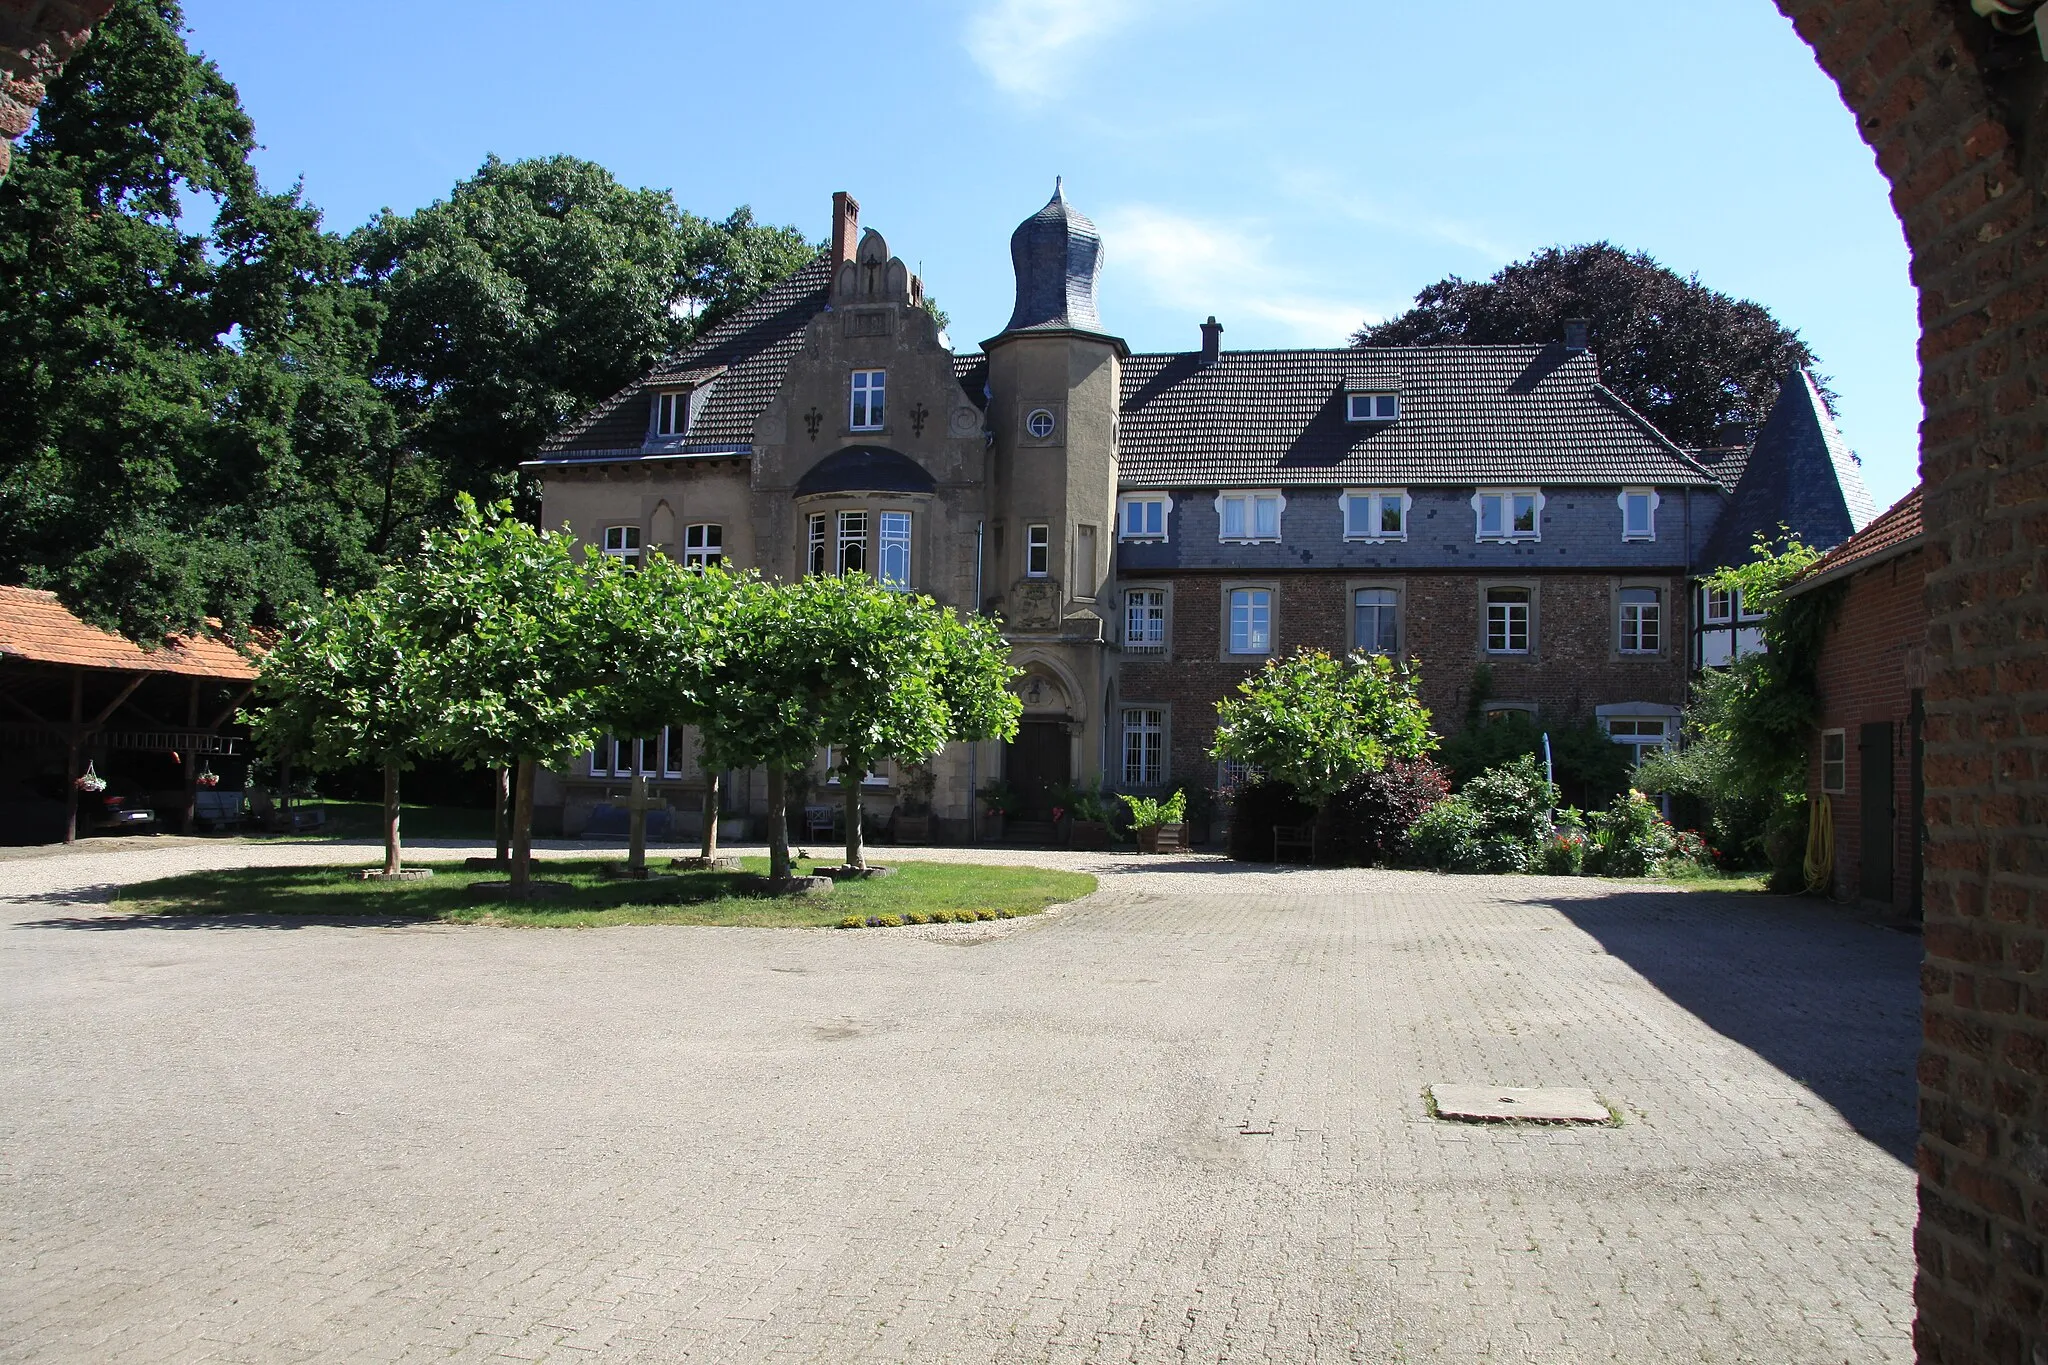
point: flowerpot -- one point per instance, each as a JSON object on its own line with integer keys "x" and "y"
{"x": 1160, "y": 838}
{"x": 1089, "y": 835}
{"x": 913, "y": 829}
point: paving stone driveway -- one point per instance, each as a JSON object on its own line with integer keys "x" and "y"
{"x": 266, "y": 1144}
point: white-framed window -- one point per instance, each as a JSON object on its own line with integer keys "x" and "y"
{"x": 1249, "y": 516}
{"x": 895, "y": 550}
{"x": 703, "y": 543}
{"x": 1743, "y": 610}
{"x": 1834, "y": 761}
{"x": 816, "y": 559}
{"x": 1251, "y": 621}
{"x": 1375, "y": 618}
{"x": 1142, "y": 516}
{"x": 1038, "y": 551}
{"x": 1145, "y": 621}
{"x": 1494, "y": 712}
{"x": 878, "y": 777}
{"x": 1509, "y": 514}
{"x": 1507, "y": 620}
{"x": 1720, "y": 606}
{"x": 1642, "y": 621}
{"x": 1144, "y": 746}
{"x": 672, "y": 413}
{"x": 853, "y": 542}
{"x": 1372, "y": 407}
{"x": 623, "y": 543}
{"x": 1641, "y": 733}
{"x": 1638, "y": 513}
{"x": 659, "y": 755}
{"x": 1375, "y": 514}
{"x": 869, "y": 404}
{"x": 1040, "y": 423}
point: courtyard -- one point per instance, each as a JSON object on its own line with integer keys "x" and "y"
{"x": 1182, "y": 1119}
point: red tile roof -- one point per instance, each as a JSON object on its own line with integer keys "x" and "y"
{"x": 36, "y": 627}
{"x": 1896, "y": 530}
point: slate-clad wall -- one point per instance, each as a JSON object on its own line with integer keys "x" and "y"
{"x": 1581, "y": 529}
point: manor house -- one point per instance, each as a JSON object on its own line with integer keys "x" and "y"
{"x": 1152, "y": 528}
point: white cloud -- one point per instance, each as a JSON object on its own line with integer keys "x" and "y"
{"x": 1210, "y": 267}
{"x": 1028, "y": 47}
{"x": 1326, "y": 196}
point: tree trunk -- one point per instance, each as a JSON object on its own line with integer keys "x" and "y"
{"x": 856, "y": 841}
{"x": 391, "y": 849}
{"x": 522, "y": 832}
{"x": 778, "y": 823}
{"x": 710, "y": 815}
{"x": 284, "y": 790}
{"x": 636, "y": 825}
{"x": 501, "y": 815}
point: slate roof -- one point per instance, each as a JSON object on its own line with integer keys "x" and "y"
{"x": 36, "y": 627}
{"x": 1057, "y": 256}
{"x": 1469, "y": 415}
{"x": 1725, "y": 463}
{"x": 1800, "y": 475}
{"x": 871, "y": 469}
{"x": 1895, "y": 532}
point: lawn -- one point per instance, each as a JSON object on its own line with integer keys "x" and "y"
{"x": 592, "y": 899}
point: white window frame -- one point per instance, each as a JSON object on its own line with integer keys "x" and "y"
{"x": 892, "y": 549}
{"x": 1150, "y": 618}
{"x": 1142, "y": 723}
{"x": 851, "y": 528}
{"x": 1249, "y": 501}
{"x": 1128, "y": 501}
{"x": 703, "y": 544}
{"x": 1840, "y": 762}
{"x": 1358, "y": 643}
{"x": 1742, "y": 611}
{"x": 1230, "y": 616}
{"x": 817, "y": 544}
{"x": 1373, "y": 502}
{"x": 658, "y": 755}
{"x": 1528, "y": 606}
{"x": 671, "y": 751}
{"x": 622, "y": 543}
{"x": 1648, "y": 531}
{"x": 1038, "y": 550}
{"x": 1376, "y": 406}
{"x": 1727, "y": 612}
{"x": 672, "y": 413}
{"x": 867, "y": 405}
{"x": 1507, "y": 497}
{"x": 1634, "y": 738}
{"x": 868, "y": 779}
{"x": 1655, "y": 621}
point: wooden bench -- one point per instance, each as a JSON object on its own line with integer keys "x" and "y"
{"x": 820, "y": 822}
{"x": 1298, "y": 837}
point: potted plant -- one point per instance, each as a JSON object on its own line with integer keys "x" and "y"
{"x": 997, "y": 800}
{"x": 913, "y": 819}
{"x": 1089, "y": 830}
{"x": 1159, "y": 824}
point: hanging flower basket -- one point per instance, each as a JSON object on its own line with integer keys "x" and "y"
{"x": 90, "y": 781}
{"x": 207, "y": 778}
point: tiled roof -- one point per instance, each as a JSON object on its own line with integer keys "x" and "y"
{"x": 1469, "y": 414}
{"x": 36, "y": 627}
{"x": 1894, "y": 532}
{"x": 1725, "y": 463}
{"x": 972, "y": 372}
{"x": 1800, "y": 475}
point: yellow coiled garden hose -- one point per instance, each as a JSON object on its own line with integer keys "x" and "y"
{"x": 1820, "y": 846}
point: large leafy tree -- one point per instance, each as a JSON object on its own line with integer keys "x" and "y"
{"x": 1317, "y": 722}
{"x": 537, "y": 288}
{"x": 1684, "y": 355}
{"x": 186, "y": 425}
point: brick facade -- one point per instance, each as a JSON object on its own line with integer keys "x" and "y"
{"x": 1871, "y": 665}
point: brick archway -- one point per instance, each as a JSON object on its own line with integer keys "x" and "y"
{"x": 1955, "y": 115}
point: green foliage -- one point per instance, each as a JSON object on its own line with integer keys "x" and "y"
{"x": 1370, "y": 818}
{"x": 1687, "y": 357}
{"x": 1498, "y": 822}
{"x": 349, "y": 682}
{"x": 1741, "y": 800}
{"x": 1316, "y": 722}
{"x": 1589, "y": 765}
{"x": 1084, "y": 803}
{"x": 1630, "y": 837}
{"x": 1148, "y": 813}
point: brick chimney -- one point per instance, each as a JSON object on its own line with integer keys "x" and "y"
{"x": 1212, "y": 340}
{"x": 845, "y": 226}
{"x": 1578, "y": 334}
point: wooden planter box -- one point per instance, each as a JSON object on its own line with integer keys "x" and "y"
{"x": 1162, "y": 839}
{"x": 913, "y": 829}
{"x": 1088, "y": 835}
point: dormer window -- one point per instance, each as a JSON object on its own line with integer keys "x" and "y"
{"x": 868, "y": 405}
{"x": 672, "y": 413}
{"x": 1372, "y": 407}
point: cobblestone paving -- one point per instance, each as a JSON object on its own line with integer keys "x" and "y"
{"x": 317, "y": 1142}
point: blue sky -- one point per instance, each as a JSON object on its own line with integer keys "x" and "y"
{"x": 1293, "y": 168}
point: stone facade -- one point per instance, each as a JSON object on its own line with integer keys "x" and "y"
{"x": 36, "y": 38}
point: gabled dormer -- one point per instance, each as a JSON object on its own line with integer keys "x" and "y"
{"x": 674, "y": 402}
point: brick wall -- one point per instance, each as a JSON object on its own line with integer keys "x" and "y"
{"x": 36, "y": 38}
{"x": 1955, "y": 115}
{"x": 1574, "y": 664}
{"x": 1871, "y": 662}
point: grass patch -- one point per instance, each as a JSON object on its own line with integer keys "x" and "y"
{"x": 1696, "y": 878}
{"x": 593, "y": 899}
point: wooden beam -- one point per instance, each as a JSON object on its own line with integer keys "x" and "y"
{"x": 22, "y": 707}
{"x": 231, "y": 707}
{"x": 101, "y": 719}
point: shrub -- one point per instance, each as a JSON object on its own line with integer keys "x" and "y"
{"x": 1370, "y": 818}
{"x": 1147, "y": 813}
{"x": 1005, "y": 914}
{"x": 853, "y": 922}
{"x": 1591, "y": 768}
{"x": 1498, "y": 823}
{"x": 1630, "y": 837}
{"x": 1564, "y": 854}
{"x": 1446, "y": 837}
{"x": 887, "y": 921}
{"x": 984, "y": 914}
{"x": 1254, "y": 810}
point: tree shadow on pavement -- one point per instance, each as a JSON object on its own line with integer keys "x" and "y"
{"x": 1831, "y": 1000}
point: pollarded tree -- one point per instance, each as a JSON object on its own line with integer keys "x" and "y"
{"x": 507, "y": 613}
{"x": 351, "y": 682}
{"x": 1317, "y": 722}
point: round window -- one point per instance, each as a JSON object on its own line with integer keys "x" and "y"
{"x": 1039, "y": 423}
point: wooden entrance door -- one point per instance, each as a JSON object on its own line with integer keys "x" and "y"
{"x": 1039, "y": 759}
{"x": 1875, "y": 802}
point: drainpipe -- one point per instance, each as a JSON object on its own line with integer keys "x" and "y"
{"x": 974, "y": 749}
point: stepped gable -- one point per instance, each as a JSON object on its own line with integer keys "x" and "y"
{"x": 1800, "y": 475}
{"x": 1469, "y": 415}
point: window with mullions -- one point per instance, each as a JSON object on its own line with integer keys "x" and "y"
{"x": 853, "y": 542}
{"x": 868, "y": 405}
{"x": 1507, "y": 620}
{"x": 1375, "y": 613}
{"x": 671, "y": 413}
{"x": 703, "y": 544}
{"x": 818, "y": 559}
{"x": 1642, "y": 629}
{"x": 1144, "y": 747}
{"x": 1248, "y": 516}
{"x": 1643, "y": 734}
{"x": 656, "y": 756}
{"x": 1834, "y": 761}
{"x": 1145, "y": 621}
{"x": 1372, "y": 407}
{"x": 1251, "y": 621}
{"x": 1375, "y": 514}
{"x": 623, "y": 543}
{"x": 1144, "y": 519}
{"x": 895, "y": 550}
{"x": 1720, "y": 606}
{"x": 1509, "y": 514}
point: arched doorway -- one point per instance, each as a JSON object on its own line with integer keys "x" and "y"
{"x": 1040, "y": 759}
